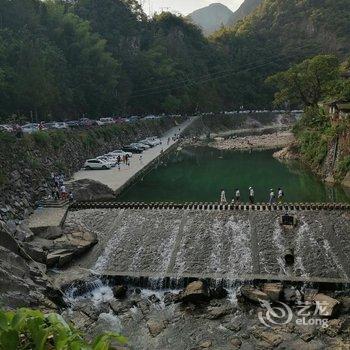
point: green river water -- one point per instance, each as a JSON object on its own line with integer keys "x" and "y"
{"x": 198, "y": 174}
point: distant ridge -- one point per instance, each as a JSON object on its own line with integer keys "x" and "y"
{"x": 244, "y": 10}
{"x": 211, "y": 18}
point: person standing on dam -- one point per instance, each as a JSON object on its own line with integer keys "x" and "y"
{"x": 223, "y": 197}
{"x": 237, "y": 196}
{"x": 251, "y": 195}
{"x": 280, "y": 195}
{"x": 272, "y": 196}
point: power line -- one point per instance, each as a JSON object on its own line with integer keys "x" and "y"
{"x": 209, "y": 77}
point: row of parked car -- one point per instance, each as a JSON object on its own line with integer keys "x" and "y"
{"x": 111, "y": 159}
{"x": 30, "y": 128}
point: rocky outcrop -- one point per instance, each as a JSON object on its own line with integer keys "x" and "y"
{"x": 59, "y": 250}
{"x": 85, "y": 190}
{"x": 23, "y": 283}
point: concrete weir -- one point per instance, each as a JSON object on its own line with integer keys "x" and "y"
{"x": 216, "y": 242}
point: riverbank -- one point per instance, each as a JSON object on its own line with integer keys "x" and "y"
{"x": 26, "y": 164}
{"x": 275, "y": 140}
{"x": 117, "y": 179}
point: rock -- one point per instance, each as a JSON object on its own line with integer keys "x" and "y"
{"x": 205, "y": 344}
{"x": 253, "y": 294}
{"x": 170, "y": 298}
{"x": 307, "y": 336}
{"x": 120, "y": 291}
{"x": 154, "y": 299}
{"x": 60, "y": 257}
{"x": 333, "y": 328}
{"x": 327, "y": 305}
{"x": 291, "y": 295}
{"x": 87, "y": 190}
{"x": 119, "y": 307}
{"x": 344, "y": 305}
{"x": 155, "y": 327}
{"x": 218, "y": 292}
{"x": 218, "y": 312}
{"x": 50, "y": 233}
{"x": 234, "y": 326}
{"x": 235, "y": 343}
{"x": 269, "y": 337}
{"x": 35, "y": 252}
{"x": 195, "y": 292}
{"x": 309, "y": 294}
{"x": 272, "y": 290}
{"x": 24, "y": 234}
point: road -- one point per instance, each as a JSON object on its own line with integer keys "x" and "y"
{"x": 115, "y": 179}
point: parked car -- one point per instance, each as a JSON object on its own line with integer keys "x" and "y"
{"x": 107, "y": 159}
{"x": 30, "y": 128}
{"x": 5, "y": 127}
{"x": 140, "y": 145}
{"x": 73, "y": 124}
{"x": 120, "y": 153}
{"x": 62, "y": 125}
{"x": 96, "y": 164}
{"x": 132, "y": 149}
{"x": 85, "y": 122}
{"x": 52, "y": 125}
{"x": 106, "y": 121}
{"x": 152, "y": 141}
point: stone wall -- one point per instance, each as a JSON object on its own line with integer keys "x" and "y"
{"x": 26, "y": 163}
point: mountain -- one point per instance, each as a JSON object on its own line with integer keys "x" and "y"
{"x": 276, "y": 35}
{"x": 211, "y": 18}
{"x": 244, "y": 10}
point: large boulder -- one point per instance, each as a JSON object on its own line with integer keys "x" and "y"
{"x": 87, "y": 190}
{"x": 253, "y": 294}
{"x": 327, "y": 305}
{"x": 195, "y": 292}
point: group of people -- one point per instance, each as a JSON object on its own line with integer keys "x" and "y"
{"x": 58, "y": 190}
{"x": 125, "y": 159}
{"x": 237, "y": 197}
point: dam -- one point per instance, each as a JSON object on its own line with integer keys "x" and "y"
{"x": 217, "y": 242}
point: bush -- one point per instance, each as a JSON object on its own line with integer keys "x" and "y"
{"x": 31, "y": 329}
{"x": 41, "y": 138}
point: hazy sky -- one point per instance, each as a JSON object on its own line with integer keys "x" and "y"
{"x": 185, "y": 6}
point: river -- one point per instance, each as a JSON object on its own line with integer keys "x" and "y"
{"x": 197, "y": 174}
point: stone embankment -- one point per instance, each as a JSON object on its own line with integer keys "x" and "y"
{"x": 26, "y": 164}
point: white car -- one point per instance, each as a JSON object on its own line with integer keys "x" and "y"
{"x": 152, "y": 141}
{"x": 30, "y": 128}
{"x": 106, "y": 121}
{"x": 97, "y": 164}
{"x": 107, "y": 159}
{"x": 120, "y": 153}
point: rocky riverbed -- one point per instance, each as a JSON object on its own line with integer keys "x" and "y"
{"x": 265, "y": 141}
{"x": 200, "y": 317}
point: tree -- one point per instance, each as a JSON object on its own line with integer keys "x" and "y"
{"x": 308, "y": 82}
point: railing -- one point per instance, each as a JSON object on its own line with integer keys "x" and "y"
{"x": 211, "y": 206}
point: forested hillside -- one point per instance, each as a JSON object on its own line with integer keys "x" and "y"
{"x": 63, "y": 59}
{"x": 278, "y": 34}
{"x": 66, "y": 59}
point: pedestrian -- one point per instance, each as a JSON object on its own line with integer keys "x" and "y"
{"x": 168, "y": 141}
{"x": 272, "y": 196}
{"x": 223, "y": 197}
{"x": 140, "y": 158}
{"x": 280, "y": 195}
{"x": 251, "y": 195}
{"x": 71, "y": 197}
{"x": 63, "y": 192}
{"x": 124, "y": 158}
{"x": 237, "y": 195}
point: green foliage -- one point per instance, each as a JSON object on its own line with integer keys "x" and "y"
{"x": 41, "y": 138}
{"x": 314, "y": 132}
{"x": 31, "y": 329}
{"x": 308, "y": 82}
{"x": 343, "y": 167}
{"x": 3, "y": 178}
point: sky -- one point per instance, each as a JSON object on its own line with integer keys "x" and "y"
{"x": 184, "y": 6}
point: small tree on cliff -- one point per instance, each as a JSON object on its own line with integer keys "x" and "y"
{"x": 308, "y": 82}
